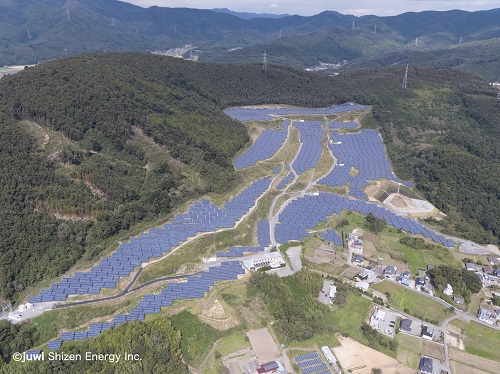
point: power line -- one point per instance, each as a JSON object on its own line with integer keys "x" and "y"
{"x": 405, "y": 80}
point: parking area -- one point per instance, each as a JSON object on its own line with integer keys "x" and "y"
{"x": 384, "y": 321}
{"x": 323, "y": 296}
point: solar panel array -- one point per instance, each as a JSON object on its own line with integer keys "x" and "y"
{"x": 332, "y": 236}
{"x": 311, "y": 363}
{"x": 285, "y": 181}
{"x": 265, "y": 114}
{"x": 195, "y": 287}
{"x": 264, "y": 239}
{"x": 307, "y": 356}
{"x": 343, "y": 125}
{"x": 311, "y": 133}
{"x": 306, "y": 212}
{"x": 264, "y": 147}
{"x": 363, "y": 150}
{"x": 202, "y": 217}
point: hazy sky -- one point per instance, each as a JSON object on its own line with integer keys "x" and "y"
{"x": 310, "y": 7}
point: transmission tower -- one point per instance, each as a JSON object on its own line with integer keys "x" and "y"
{"x": 264, "y": 62}
{"x": 460, "y": 40}
{"x": 352, "y": 24}
{"x": 416, "y": 42}
{"x": 498, "y": 95}
{"x": 280, "y": 33}
{"x": 405, "y": 80}
{"x": 113, "y": 22}
{"x": 29, "y": 34}
{"x": 67, "y": 15}
{"x": 375, "y": 30}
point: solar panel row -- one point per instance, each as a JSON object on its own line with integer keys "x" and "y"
{"x": 332, "y": 236}
{"x": 285, "y": 181}
{"x": 364, "y": 151}
{"x": 306, "y": 356}
{"x": 202, "y": 217}
{"x": 264, "y": 147}
{"x": 195, "y": 287}
{"x": 266, "y": 114}
{"x": 314, "y": 368}
{"x": 343, "y": 125}
{"x": 311, "y": 133}
{"x": 306, "y": 212}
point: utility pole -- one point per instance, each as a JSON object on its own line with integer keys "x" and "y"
{"x": 405, "y": 80}
{"x": 264, "y": 63}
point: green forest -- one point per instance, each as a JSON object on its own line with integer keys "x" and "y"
{"x": 133, "y": 136}
{"x": 155, "y": 342}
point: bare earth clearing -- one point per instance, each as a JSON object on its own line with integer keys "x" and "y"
{"x": 362, "y": 359}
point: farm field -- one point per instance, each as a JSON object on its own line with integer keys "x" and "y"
{"x": 475, "y": 337}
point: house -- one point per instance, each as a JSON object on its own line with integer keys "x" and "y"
{"x": 427, "y": 332}
{"x": 389, "y": 271}
{"x": 357, "y": 259}
{"x": 362, "y": 286}
{"x": 405, "y": 325}
{"x": 493, "y": 260}
{"x": 365, "y": 274}
{"x": 497, "y": 314}
{"x": 406, "y": 275}
{"x": 486, "y": 316}
{"x": 420, "y": 282}
{"x": 356, "y": 246}
{"x": 426, "y": 365}
{"x": 496, "y": 272}
{"x": 448, "y": 290}
{"x": 459, "y": 300}
{"x": 487, "y": 269}
{"x": 470, "y": 266}
{"x": 480, "y": 276}
{"x": 273, "y": 367}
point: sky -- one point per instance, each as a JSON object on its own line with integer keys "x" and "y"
{"x": 310, "y": 7}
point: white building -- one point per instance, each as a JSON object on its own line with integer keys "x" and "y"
{"x": 332, "y": 292}
{"x": 273, "y": 259}
{"x": 448, "y": 290}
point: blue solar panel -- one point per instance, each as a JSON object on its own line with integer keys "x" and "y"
{"x": 306, "y": 356}
{"x": 311, "y": 133}
{"x": 208, "y": 217}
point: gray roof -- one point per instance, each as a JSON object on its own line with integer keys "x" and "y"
{"x": 420, "y": 281}
{"x": 390, "y": 269}
{"x": 405, "y": 324}
{"x": 425, "y": 364}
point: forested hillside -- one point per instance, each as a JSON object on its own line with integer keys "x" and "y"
{"x": 94, "y": 145}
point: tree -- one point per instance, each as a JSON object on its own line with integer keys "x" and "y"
{"x": 374, "y": 224}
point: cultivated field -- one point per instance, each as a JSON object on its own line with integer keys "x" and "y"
{"x": 361, "y": 359}
{"x": 479, "y": 364}
{"x": 480, "y": 340}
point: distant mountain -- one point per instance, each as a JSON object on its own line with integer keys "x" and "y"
{"x": 481, "y": 58}
{"x": 38, "y": 30}
{"x": 246, "y": 15}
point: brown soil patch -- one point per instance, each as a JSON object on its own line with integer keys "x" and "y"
{"x": 263, "y": 345}
{"x": 361, "y": 359}
{"x": 434, "y": 350}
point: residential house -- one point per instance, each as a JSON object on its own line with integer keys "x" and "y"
{"x": 496, "y": 272}
{"x": 426, "y": 365}
{"x": 470, "y": 266}
{"x": 427, "y": 332}
{"x": 486, "y": 316}
{"x": 357, "y": 259}
{"x": 273, "y": 367}
{"x": 362, "y": 286}
{"x": 420, "y": 282}
{"x": 366, "y": 274}
{"x": 480, "y": 276}
{"x": 488, "y": 269}
{"x": 356, "y": 246}
{"x": 448, "y": 290}
{"x": 459, "y": 300}
{"x": 405, "y": 325}
{"x": 493, "y": 260}
{"x": 390, "y": 271}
